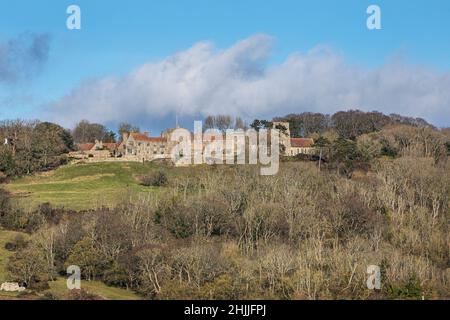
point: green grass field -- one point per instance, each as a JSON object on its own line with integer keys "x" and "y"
{"x": 82, "y": 186}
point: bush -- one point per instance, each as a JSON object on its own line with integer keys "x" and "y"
{"x": 52, "y": 216}
{"x": 81, "y": 294}
{"x": 116, "y": 277}
{"x": 357, "y": 218}
{"x": 48, "y": 296}
{"x": 411, "y": 289}
{"x": 3, "y": 177}
{"x": 10, "y": 246}
{"x": 206, "y": 216}
{"x": 154, "y": 179}
{"x": 4, "y": 202}
{"x": 18, "y": 244}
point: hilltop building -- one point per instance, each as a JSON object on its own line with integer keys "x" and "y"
{"x": 141, "y": 147}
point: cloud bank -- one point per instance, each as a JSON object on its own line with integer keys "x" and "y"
{"x": 240, "y": 81}
{"x": 23, "y": 57}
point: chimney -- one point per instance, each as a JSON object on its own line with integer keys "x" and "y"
{"x": 147, "y": 133}
{"x": 124, "y": 136}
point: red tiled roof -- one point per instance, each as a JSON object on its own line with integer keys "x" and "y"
{"x": 143, "y": 137}
{"x": 85, "y": 146}
{"x": 302, "y": 142}
{"x": 111, "y": 146}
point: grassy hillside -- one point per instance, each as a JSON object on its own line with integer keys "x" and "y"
{"x": 82, "y": 186}
{"x": 59, "y": 290}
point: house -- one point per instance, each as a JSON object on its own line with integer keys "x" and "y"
{"x": 84, "y": 147}
{"x": 141, "y": 147}
{"x": 301, "y": 146}
{"x": 293, "y": 146}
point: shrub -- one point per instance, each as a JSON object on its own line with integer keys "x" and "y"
{"x": 52, "y": 216}
{"x": 4, "y": 202}
{"x": 81, "y": 294}
{"x": 10, "y": 246}
{"x": 411, "y": 289}
{"x": 357, "y": 218}
{"x": 48, "y": 296}
{"x": 18, "y": 243}
{"x": 3, "y": 177}
{"x": 206, "y": 216}
{"x": 115, "y": 276}
{"x": 154, "y": 179}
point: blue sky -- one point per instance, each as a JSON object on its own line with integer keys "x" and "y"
{"x": 120, "y": 36}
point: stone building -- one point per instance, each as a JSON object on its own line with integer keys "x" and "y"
{"x": 293, "y": 146}
{"x": 136, "y": 146}
{"x": 97, "y": 151}
{"x": 141, "y": 147}
{"x": 301, "y": 146}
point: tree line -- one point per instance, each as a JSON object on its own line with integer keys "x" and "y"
{"x": 30, "y": 146}
{"x": 347, "y": 124}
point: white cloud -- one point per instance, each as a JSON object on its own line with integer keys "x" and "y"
{"x": 240, "y": 81}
